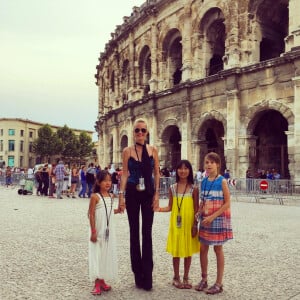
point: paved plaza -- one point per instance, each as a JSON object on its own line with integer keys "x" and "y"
{"x": 44, "y": 246}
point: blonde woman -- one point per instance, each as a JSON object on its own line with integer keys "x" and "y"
{"x": 139, "y": 191}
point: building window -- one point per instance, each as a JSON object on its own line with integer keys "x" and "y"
{"x": 30, "y": 134}
{"x": 21, "y": 146}
{"x": 11, "y": 161}
{"x": 21, "y": 132}
{"x": 11, "y": 132}
{"x": 11, "y": 145}
{"x": 30, "y": 147}
{"x": 1, "y": 132}
{"x": 1, "y": 145}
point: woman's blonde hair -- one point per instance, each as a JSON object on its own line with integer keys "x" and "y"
{"x": 139, "y": 121}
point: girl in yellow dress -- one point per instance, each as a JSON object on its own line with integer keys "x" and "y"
{"x": 182, "y": 238}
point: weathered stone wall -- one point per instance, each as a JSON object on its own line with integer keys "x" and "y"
{"x": 232, "y": 70}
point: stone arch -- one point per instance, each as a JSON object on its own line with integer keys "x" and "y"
{"x": 271, "y": 21}
{"x": 208, "y": 135}
{"x": 207, "y": 116}
{"x": 125, "y": 80}
{"x": 268, "y": 149}
{"x": 212, "y": 38}
{"x": 171, "y": 147}
{"x": 165, "y": 124}
{"x": 268, "y": 105}
{"x": 172, "y": 56}
{"x": 123, "y": 141}
{"x": 145, "y": 69}
{"x": 112, "y": 81}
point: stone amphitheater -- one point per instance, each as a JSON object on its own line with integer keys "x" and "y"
{"x": 206, "y": 75}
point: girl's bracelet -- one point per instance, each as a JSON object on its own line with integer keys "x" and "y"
{"x": 93, "y": 231}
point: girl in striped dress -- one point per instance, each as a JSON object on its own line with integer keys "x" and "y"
{"x": 214, "y": 220}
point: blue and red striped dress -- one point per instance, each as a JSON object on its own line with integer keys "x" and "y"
{"x": 219, "y": 230}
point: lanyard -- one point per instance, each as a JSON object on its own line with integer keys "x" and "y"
{"x": 179, "y": 205}
{"x": 210, "y": 187}
{"x": 107, "y": 217}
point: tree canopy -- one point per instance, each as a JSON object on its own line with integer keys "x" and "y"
{"x": 63, "y": 143}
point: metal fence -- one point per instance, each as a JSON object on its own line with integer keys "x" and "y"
{"x": 279, "y": 189}
{"x": 257, "y": 189}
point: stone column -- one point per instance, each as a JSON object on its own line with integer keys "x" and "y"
{"x": 231, "y": 138}
{"x": 186, "y": 45}
{"x": 232, "y": 56}
{"x": 296, "y": 167}
{"x": 290, "y": 149}
{"x": 252, "y": 152}
{"x": 292, "y": 41}
{"x": 116, "y": 145}
{"x": 153, "y": 80}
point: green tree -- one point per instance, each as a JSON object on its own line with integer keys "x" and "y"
{"x": 70, "y": 142}
{"x": 47, "y": 143}
{"x": 85, "y": 145}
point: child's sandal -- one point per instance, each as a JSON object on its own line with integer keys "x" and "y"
{"x": 201, "y": 286}
{"x": 186, "y": 283}
{"x": 215, "y": 289}
{"x": 177, "y": 283}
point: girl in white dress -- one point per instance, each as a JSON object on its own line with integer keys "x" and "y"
{"x": 102, "y": 243}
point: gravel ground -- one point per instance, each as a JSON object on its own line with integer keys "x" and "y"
{"x": 43, "y": 253}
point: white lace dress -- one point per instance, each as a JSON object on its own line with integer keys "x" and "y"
{"x": 103, "y": 254}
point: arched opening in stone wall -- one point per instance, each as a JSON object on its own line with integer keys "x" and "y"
{"x": 112, "y": 81}
{"x": 172, "y": 146}
{"x": 124, "y": 142}
{"x": 211, "y": 136}
{"x": 145, "y": 69}
{"x": 172, "y": 50}
{"x": 212, "y": 28}
{"x": 125, "y": 81}
{"x": 270, "y": 151}
{"x": 273, "y": 20}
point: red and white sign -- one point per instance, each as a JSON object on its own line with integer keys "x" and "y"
{"x": 264, "y": 185}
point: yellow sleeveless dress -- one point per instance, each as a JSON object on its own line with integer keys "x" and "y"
{"x": 180, "y": 242}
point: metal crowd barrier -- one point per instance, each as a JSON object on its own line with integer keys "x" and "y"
{"x": 258, "y": 189}
{"x": 16, "y": 178}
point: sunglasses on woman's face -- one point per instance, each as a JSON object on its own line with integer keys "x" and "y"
{"x": 137, "y": 130}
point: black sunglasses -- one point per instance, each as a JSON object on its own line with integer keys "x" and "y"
{"x": 137, "y": 130}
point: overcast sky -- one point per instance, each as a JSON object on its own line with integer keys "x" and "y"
{"x": 49, "y": 50}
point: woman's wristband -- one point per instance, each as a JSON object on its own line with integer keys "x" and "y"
{"x": 93, "y": 230}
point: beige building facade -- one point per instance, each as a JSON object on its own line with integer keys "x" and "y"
{"x": 16, "y": 141}
{"x": 213, "y": 75}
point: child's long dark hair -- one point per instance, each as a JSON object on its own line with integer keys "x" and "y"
{"x": 186, "y": 163}
{"x": 100, "y": 176}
